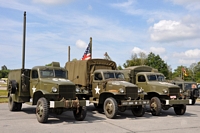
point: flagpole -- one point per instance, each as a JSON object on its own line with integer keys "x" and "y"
{"x": 91, "y": 47}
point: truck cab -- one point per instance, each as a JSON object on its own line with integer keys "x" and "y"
{"x": 162, "y": 95}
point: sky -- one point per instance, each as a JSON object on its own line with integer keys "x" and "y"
{"x": 168, "y": 28}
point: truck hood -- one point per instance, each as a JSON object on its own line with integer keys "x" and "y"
{"x": 121, "y": 83}
{"x": 58, "y": 81}
{"x": 163, "y": 84}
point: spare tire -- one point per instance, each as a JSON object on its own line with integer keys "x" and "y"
{"x": 13, "y": 86}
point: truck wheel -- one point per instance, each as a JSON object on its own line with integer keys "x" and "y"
{"x": 180, "y": 109}
{"x": 122, "y": 109}
{"x": 11, "y": 104}
{"x": 82, "y": 111}
{"x": 138, "y": 111}
{"x": 155, "y": 106}
{"x": 42, "y": 110}
{"x": 193, "y": 101}
{"x": 58, "y": 111}
{"x": 110, "y": 108}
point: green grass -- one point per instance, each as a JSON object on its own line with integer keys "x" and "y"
{"x": 3, "y": 93}
{"x": 3, "y": 100}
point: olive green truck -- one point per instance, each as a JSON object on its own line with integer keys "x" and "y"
{"x": 162, "y": 95}
{"x": 48, "y": 88}
{"x": 98, "y": 81}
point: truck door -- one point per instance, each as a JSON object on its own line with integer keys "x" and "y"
{"x": 97, "y": 85}
{"x": 142, "y": 82}
{"x": 34, "y": 82}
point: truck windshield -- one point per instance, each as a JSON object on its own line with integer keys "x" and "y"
{"x": 116, "y": 75}
{"x": 50, "y": 73}
{"x": 154, "y": 77}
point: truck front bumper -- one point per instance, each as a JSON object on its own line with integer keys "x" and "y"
{"x": 134, "y": 102}
{"x": 67, "y": 104}
{"x": 173, "y": 102}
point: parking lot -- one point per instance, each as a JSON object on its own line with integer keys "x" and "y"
{"x": 25, "y": 122}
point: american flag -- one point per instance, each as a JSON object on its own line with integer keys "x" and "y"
{"x": 87, "y": 54}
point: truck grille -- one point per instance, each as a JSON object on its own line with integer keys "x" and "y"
{"x": 174, "y": 91}
{"x": 132, "y": 92}
{"x": 67, "y": 91}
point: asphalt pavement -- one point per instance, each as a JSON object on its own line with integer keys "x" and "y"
{"x": 95, "y": 122}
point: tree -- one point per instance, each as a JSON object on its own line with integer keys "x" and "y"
{"x": 156, "y": 62}
{"x": 119, "y": 67}
{"x": 3, "y": 67}
{"x": 4, "y": 72}
{"x": 135, "y": 61}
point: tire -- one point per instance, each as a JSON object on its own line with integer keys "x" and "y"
{"x": 122, "y": 109}
{"x": 58, "y": 111}
{"x": 180, "y": 109}
{"x": 80, "y": 116}
{"x": 42, "y": 110}
{"x": 13, "y": 106}
{"x": 110, "y": 108}
{"x": 155, "y": 106}
{"x": 138, "y": 111}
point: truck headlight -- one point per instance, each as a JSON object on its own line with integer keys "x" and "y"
{"x": 77, "y": 89}
{"x": 54, "y": 89}
{"x": 121, "y": 90}
{"x": 181, "y": 91}
{"x": 165, "y": 91}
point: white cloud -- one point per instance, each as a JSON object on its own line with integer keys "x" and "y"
{"x": 189, "y": 4}
{"x": 157, "y": 50}
{"x": 186, "y": 62}
{"x": 168, "y": 30}
{"x": 128, "y": 7}
{"x": 189, "y": 54}
{"x": 137, "y": 50}
{"x": 81, "y": 44}
{"x": 52, "y": 1}
{"x": 193, "y": 53}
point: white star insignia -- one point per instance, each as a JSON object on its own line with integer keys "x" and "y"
{"x": 97, "y": 89}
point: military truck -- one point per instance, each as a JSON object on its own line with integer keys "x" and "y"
{"x": 47, "y": 87}
{"x": 98, "y": 81}
{"x": 189, "y": 87}
{"x": 162, "y": 95}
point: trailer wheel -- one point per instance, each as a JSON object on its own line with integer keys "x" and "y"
{"x": 80, "y": 114}
{"x": 110, "y": 108}
{"x": 42, "y": 110}
{"x": 155, "y": 106}
{"x": 11, "y": 104}
{"x": 138, "y": 111}
{"x": 180, "y": 109}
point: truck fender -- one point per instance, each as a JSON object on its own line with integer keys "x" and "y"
{"x": 105, "y": 95}
{"x": 37, "y": 95}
